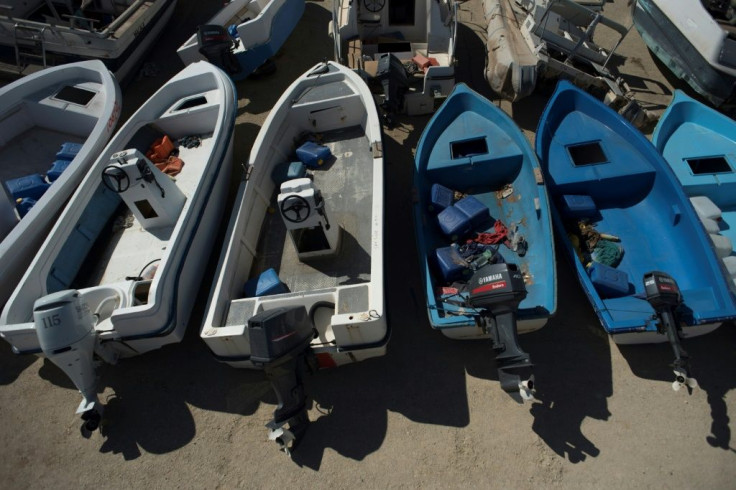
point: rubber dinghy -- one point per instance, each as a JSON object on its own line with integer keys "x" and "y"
{"x": 53, "y": 125}
{"x": 119, "y": 271}
{"x": 484, "y": 233}
{"x": 639, "y": 250}
{"x": 300, "y": 276}
{"x": 699, "y": 144}
{"x": 244, "y": 35}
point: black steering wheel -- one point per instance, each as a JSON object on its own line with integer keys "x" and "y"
{"x": 115, "y": 179}
{"x": 295, "y": 204}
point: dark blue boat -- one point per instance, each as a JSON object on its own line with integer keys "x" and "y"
{"x": 651, "y": 268}
{"x": 699, "y": 144}
{"x": 479, "y": 189}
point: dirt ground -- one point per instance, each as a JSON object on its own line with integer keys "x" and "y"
{"x": 428, "y": 414}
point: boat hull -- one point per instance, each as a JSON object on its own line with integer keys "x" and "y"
{"x": 342, "y": 290}
{"x": 121, "y": 51}
{"x": 671, "y": 45}
{"x": 591, "y": 153}
{"x": 505, "y": 178}
{"x": 36, "y": 118}
{"x": 200, "y": 100}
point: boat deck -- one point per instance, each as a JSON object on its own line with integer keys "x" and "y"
{"x": 346, "y": 184}
{"x": 130, "y": 248}
{"x": 32, "y": 152}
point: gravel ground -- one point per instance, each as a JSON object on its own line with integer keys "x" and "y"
{"x": 428, "y": 414}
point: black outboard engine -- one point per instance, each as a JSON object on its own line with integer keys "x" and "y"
{"x": 217, "y": 45}
{"x": 395, "y": 81}
{"x": 497, "y": 289}
{"x": 279, "y": 343}
{"x": 663, "y": 294}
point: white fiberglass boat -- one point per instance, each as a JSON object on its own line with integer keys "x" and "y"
{"x": 301, "y": 271}
{"x": 53, "y": 125}
{"x": 119, "y": 272}
{"x": 39, "y": 33}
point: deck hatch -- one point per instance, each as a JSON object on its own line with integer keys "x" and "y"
{"x": 710, "y": 165}
{"x": 193, "y": 102}
{"x": 587, "y": 153}
{"x": 75, "y": 95}
{"x": 468, "y": 148}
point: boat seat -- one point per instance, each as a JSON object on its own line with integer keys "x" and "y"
{"x": 474, "y": 171}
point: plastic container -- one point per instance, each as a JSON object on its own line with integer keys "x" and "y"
{"x": 476, "y": 211}
{"x": 288, "y": 171}
{"x": 267, "y": 283}
{"x": 57, "y": 168}
{"x": 313, "y": 155}
{"x": 578, "y": 206}
{"x": 705, "y": 207}
{"x": 68, "y": 151}
{"x": 609, "y": 282}
{"x": 441, "y": 197}
{"x": 31, "y": 186}
{"x": 723, "y": 245}
{"x": 451, "y": 265}
{"x": 453, "y": 222}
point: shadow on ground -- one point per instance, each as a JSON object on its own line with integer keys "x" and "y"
{"x": 711, "y": 359}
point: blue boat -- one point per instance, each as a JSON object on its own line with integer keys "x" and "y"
{"x": 480, "y": 204}
{"x": 642, "y": 256}
{"x": 699, "y": 143}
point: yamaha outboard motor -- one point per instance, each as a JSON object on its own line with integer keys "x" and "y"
{"x": 218, "y": 46}
{"x": 497, "y": 290}
{"x": 663, "y": 294}
{"x": 279, "y": 343}
{"x": 395, "y": 81}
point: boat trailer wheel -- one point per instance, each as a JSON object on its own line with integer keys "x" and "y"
{"x": 115, "y": 179}
{"x": 295, "y": 204}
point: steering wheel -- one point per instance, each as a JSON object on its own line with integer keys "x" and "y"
{"x": 374, "y": 5}
{"x": 115, "y": 179}
{"x": 295, "y": 204}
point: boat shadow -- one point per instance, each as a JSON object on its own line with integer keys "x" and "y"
{"x": 12, "y": 365}
{"x": 573, "y": 371}
{"x": 708, "y": 357}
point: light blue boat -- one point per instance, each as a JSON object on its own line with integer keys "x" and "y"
{"x": 699, "y": 143}
{"x": 601, "y": 170}
{"x": 472, "y": 147}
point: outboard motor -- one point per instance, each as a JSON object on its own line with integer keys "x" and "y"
{"x": 395, "y": 81}
{"x": 497, "y": 289}
{"x": 663, "y": 294}
{"x": 279, "y": 343}
{"x": 65, "y": 329}
{"x": 218, "y": 46}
